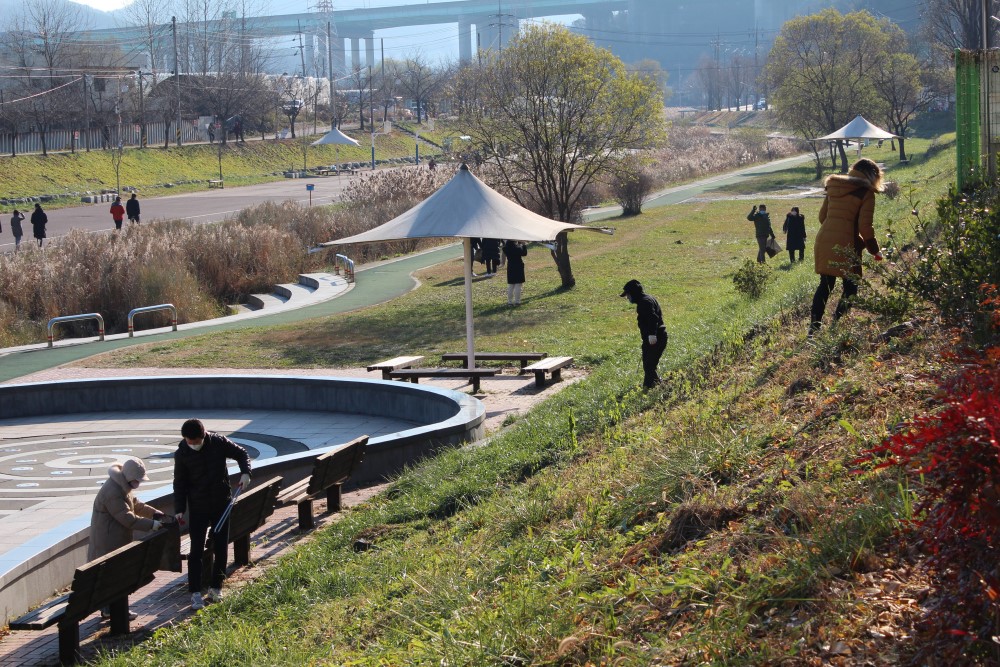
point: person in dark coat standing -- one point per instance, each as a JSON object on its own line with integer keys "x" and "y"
{"x": 201, "y": 488}
{"x": 515, "y": 252}
{"x": 15, "y": 227}
{"x": 38, "y": 222}
{"x": 761, "y": 220}
{"x": 132, "y": 209}
{"x": 491, "y": 255}
{"x": 651, "y": 328}
{"x": 795, "y": 233}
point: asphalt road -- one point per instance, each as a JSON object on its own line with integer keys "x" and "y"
{"x": 202, "y": 207}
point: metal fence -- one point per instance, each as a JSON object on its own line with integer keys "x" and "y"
{"x": 128, "y": 134}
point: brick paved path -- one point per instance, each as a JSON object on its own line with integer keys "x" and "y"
{"x": 165, "y": 601}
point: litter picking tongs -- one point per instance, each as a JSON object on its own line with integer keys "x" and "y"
{"x": 228, "y": 510}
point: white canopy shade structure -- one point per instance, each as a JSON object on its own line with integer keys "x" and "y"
{"x": 465, "y": 208}
{"x": 335, "y": 136}
{"x": 858, "y": 129}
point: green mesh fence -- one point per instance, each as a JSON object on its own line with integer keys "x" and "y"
{"x": 968, "y": 76}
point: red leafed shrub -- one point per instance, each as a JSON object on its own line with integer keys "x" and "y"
{"x": 953, "y": 458}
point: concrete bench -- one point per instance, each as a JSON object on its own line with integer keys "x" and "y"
{"x": 329, "y": 473}
{"x": 553, "y": 365}
{"x": 473, "y": 374}
{"x": 105, "y": 582}
{"x": 394, "y": 364}
{"x": 521, "y": 357}
{"x": 216, "y": 183}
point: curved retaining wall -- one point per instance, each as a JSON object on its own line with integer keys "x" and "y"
{"x": 30, "y": 573}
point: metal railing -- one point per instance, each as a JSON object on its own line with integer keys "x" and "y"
{"x": 149, "y": 309}
{"x": 348, "y": 265}
{"x": 73, "y": 318}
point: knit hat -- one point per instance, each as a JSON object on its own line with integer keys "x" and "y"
{"x": 134, "y": 470}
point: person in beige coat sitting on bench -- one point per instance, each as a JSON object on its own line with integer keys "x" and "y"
{"x": 117, "y": 512}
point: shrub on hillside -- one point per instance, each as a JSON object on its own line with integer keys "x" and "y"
{"x": 950, "y": 259}
{"x": 752, "y": 279}
{"x": 632, "y": 185}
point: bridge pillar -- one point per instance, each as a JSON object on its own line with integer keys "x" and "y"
{"x": 309, "y": 49}
{"x": 486, "y": 33}
{"x": 339, "y": 56}
{"x": 322, "y": 54}
{"x": 355, "y": 53}
{"x": 466, "y": 41}
{"x": 370, "y": 50}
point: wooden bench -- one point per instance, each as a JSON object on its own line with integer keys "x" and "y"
{"x": 522, "y": 357}
{"x": 250, "y": 512}
{"x": 474, "y": 374}
{"x": 553, "y": 365}
{"x": 329, "y": 473}
{"x": 394, "y": 364}
{"x": 216, "y": 183}
{"x": 105, "y": 582}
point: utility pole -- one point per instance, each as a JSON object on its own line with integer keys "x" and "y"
{"x": 302, "y": 51}
{"x": 142, "y": 113}
{"x": 86, "y": 112}
{"x": 371, "y": 112}
{"x": 177, "y": 79}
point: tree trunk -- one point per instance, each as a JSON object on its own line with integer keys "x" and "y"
{"x": 843, "y": 157}
{"x": 902, "y": 149}
{"x": 561, "y": 256}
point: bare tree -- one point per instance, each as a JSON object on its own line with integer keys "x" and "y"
{"x": 361, "y": 81}
{"x": 958, "y": 24}
{"x": 420, "y": 82}
{"x": 151, "y": 17}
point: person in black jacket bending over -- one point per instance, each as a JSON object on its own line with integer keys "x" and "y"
{"x": 651, "y": 328}
{"x": 201, "y": 487}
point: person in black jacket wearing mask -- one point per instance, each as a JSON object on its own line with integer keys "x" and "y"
{"x": 201, "y": 487}
{"x": 651, "y": 328}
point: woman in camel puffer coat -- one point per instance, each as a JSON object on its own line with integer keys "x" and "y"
{"x": 845, "y": 230}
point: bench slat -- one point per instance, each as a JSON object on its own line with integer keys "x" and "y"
{"x": 394, "y": 364}
{"x": 550, "y": 363}
{"x": 414, "y": 374}
{"x": 43, "y": 617}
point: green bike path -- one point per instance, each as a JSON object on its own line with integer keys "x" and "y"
{"x": 376, "y": 284}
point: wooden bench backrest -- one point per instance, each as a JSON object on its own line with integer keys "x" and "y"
{"x": 337, "y": 466}
{"x": 252, "y": 509}
{"x": 115, "y": 575}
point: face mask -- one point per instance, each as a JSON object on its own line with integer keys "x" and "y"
{"x": 197, "y": 447}
{"x": 629, "y": 297}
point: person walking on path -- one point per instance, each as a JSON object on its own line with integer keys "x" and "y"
{"x": 651, "y": 329}
{"x": 515, "y": 252}
{"x": 118, "y": 213}
{"x": 117, "y": 513}
{"x": 491, "y": 255}
{"x": 761, "y": 220}
{"x": 201, "y": 488}
{"x": 38, "y": 222}
{"x": 845, "y": 230}
{"x": 132, "y": 209}
{"x": 15, "y": 227}
{"x": 795, "y": 234}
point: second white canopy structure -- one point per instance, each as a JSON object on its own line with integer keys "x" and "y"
{"x": 858, "y": 129}
{"x": 335, "y": 136}
{"x": 465, "y": 208}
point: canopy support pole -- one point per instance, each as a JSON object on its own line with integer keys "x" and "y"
{"x": 469, "y": 333}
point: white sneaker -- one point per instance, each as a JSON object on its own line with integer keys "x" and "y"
{"x": 214, "y": 595}
{"x": 197, "y": 602}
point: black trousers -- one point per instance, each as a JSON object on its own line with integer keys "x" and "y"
{"x": 651, "y": 358}
{"x": 826, "y": 284}
{"x": 791, "y": 255}
{"x": 200, "y": 523}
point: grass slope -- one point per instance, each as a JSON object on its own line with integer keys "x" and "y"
{"x": 151, "y": 168}
{"x": 713, "y": 521}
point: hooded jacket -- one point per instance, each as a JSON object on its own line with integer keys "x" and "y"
{"x": 116, "y": 514}
{"x": 647, "y": 309}
{"x": 838, "y": 246}
{"x": 201, "y": 478}
{"x": 761, "y": 223}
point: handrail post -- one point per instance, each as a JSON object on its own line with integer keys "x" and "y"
{"x": 148, "y": 309}
{"x": 75, "y": 318}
